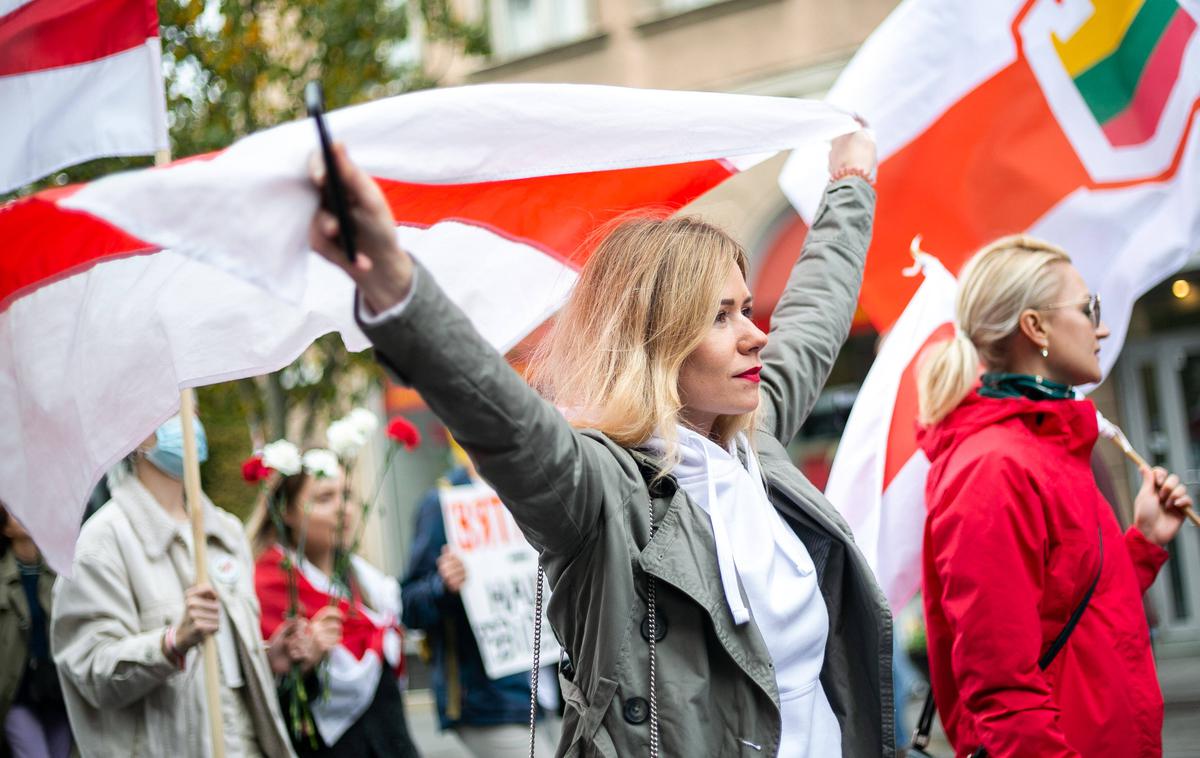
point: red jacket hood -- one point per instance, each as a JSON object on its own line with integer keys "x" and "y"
{"x": 1071, "y": 423}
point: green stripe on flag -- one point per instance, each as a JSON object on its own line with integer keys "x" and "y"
{"x": 1108, "y": 86}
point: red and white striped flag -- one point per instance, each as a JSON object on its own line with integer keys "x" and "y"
{"x": 79, "y": 79}
{"x": 116, "y": 294}
{"x": 878, "y": 476}
{"x": 1072, "y": 120}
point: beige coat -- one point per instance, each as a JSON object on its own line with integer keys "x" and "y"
{"x": 124, "y": 697}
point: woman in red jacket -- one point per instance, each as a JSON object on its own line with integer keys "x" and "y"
{"x": 1017, "y": 530}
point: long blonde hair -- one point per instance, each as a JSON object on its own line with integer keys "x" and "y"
{"x": 642, "y": 305}
{"x": 1000, "y": 282}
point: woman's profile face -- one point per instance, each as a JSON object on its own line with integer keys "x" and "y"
{"x": 720, "y": 377}
{"x": 325, "y": 503}
{"x": 1073, "y": 342}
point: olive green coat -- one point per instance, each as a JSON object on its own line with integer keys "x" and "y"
{"x": 583, "y": 501}
{"x": 14, "y": 626}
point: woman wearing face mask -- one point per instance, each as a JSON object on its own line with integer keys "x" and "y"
{"x": 354, "y": 615}
{"x": 711, "y": 601}
{"x": 1018, "y": 534}
{"x": 127, "y": 626}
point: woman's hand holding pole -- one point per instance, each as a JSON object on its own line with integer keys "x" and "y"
{"x": 201, "y": 617}
{"x": 1159, "y": 507}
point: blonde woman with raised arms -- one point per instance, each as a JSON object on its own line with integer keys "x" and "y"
{"x": 710, "y": 600}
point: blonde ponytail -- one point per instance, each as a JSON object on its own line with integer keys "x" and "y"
{"x": 1001, "y": 281}
{"x": 946, "y": 374}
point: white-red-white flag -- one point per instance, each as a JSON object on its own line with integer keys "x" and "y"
{"x": 79, "y": 79}
{"x": 878, "y": 476}
{"x": 117, "y": 294}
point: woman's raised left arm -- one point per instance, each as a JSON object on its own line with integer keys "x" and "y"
{"x": 813, "y": 317}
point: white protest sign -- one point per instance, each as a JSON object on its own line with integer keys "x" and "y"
{"x": 501, "y": 580}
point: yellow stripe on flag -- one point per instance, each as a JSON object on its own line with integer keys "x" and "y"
{"x": 1099, "y": 36}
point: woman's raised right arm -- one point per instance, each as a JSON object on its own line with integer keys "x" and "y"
{"x": 551, "y": 478}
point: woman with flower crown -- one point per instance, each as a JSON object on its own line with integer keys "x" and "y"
{"x": 127, "y": 623}
{"x": 347, "y": 700}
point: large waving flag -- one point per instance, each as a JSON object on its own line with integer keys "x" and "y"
{"x": 1073, "y": 120}
{"x": 116, "y": 294}
{"x": 878, "y": 475}
{"x": 79, "y": 79}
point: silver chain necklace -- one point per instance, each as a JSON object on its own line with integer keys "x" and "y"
{"x": 652, "y": 628}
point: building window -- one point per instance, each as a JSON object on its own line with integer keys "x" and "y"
{"x": 671, "y": 7}
{"x": 523, "y": 27}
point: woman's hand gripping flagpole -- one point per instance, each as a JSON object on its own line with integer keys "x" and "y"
{"x": 1162, "y": 494}
{"x": 195, "y": 504}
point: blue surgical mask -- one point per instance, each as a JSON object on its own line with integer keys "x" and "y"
{"x": 167, "y": 453}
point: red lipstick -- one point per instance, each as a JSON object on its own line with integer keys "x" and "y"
{"x": 750, "y": 374}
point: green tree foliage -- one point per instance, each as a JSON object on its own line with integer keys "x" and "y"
{"x": 236, "y": 66}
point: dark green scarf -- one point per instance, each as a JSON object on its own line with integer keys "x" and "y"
{"x": 1000, "y": 385}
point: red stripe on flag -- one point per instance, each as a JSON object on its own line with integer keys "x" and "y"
{"x": 52, "y": 33}
{"x": 555, "y": 214}
{"x": 1139, "y": 121}
{"x": 45, "y": 243}
{"x": 993, "y": 164}
{"x": 902, "y": 433}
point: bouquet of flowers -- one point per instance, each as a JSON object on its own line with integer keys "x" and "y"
{"x": 280, "y": 459}
{"x": 346, "y": 437}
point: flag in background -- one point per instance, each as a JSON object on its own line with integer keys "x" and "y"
{"x": 116, "y": 294}
{"x": 1071, "y": 120}
{"x": 1068, "y": 119}
{"x": 79, "y": 79}
{"x": 878, "y": 475}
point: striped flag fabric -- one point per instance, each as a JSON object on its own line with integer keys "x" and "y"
{"x": 1071, "y": 120}
{"x": 116, "y": 294}
{"x": 877, "y": 480}
{"x": 79, "y": 79}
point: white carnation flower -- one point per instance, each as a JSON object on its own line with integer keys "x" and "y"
{"x": 321, "y": 463}
{"x": 345, "y": 439}
{"x": 363, "y": 420}
{"x": 282, "y": 456}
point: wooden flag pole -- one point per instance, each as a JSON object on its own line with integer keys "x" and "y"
{"x": 195, "y": 506}
{"x": 195, "y": 503}
{"x": 1141, "y": 463}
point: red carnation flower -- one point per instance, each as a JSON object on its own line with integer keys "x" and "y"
{"x": 404, "y": 431}
{"x": 253, "y": 470}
